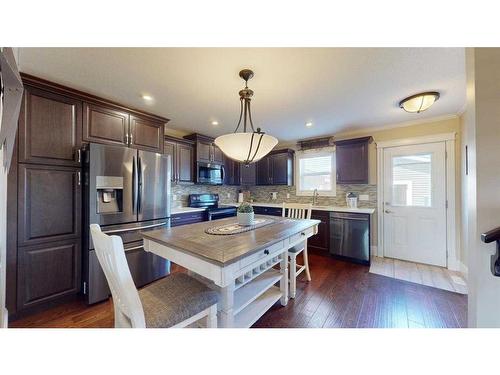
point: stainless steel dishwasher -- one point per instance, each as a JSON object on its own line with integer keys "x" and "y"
{"x": 350, "y": 236}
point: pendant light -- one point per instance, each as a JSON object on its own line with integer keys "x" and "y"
{"x": 419, "y": 102}
{"x": 246, "y": 147}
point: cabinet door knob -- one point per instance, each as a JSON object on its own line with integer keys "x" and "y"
{"x": 266, "y": 252}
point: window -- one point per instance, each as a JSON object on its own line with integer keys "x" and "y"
{"x": 411, "y": 180}
{"x": 315, "y": 171}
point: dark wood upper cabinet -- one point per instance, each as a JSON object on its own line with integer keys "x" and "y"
{"x": 218, "y": 155}
{"x": 282, "y": 168}
{"x": 205, "y": 149}
{"x": 102, "y": 124}
{"x": 231, "y": 172}
{"x": 263, "y": 171}
{"x": 276, "y": 168}
{"x": 185, "y": 162}
{"x": 352, "y": 160}
{"x": 49, "y": 202}
{"x": 50, "y": 128}
{"x": 247, "y": 174}
{"x": 182, "y": 153}
{"x": 146, "y": 134}
{"x": 48, "y": 272}
{"x": 170, "y": 148}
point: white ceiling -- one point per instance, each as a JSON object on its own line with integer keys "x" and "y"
{"x": 338, "y": 89}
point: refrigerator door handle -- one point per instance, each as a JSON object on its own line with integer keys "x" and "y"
{"x": 134, "y": 185}
{"x": 135, "y": 228}
{"x": 139, "y": 190}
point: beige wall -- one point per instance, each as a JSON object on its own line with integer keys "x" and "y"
{"x": 446, "y": 125}
{"x": 443, "y": 125}
{"x": 481, "y": 123}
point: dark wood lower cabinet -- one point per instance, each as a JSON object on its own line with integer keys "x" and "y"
{"x": 188, "y": 218}
{"x": 47, "y": 272}
{"x": 320, "y": 241}
{"x": 49, "y": 201}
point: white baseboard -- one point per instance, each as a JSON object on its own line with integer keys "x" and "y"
{"x": 5, "y": 321}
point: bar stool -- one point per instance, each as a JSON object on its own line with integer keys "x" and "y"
{"x": 176, "y": 301}
{"x": 297, "y": 211}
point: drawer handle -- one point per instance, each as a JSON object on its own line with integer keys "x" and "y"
{"x": 266, "y": 252}
{"x": 302, "y": 234}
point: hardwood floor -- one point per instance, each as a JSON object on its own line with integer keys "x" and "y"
{"x": 340, "y": 294}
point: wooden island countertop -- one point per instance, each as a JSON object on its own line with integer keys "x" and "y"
{"x": 226, "y": 249}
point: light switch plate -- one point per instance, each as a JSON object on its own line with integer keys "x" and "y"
{"x": 228, "y": 195}
{"x": 174, "y": 197}
{"x": 364, "y": 197}
{"x": 287, "y": 195}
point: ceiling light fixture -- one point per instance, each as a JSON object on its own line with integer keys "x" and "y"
{"x": 419, "y": 102}
{"x": 309, "y": 124}
{"x": 147, "y": 97}
{"x": 215, "y": 123}
{"x": 242, "y": 146}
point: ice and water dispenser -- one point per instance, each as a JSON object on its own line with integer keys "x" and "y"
{"x": 109, "y": 194}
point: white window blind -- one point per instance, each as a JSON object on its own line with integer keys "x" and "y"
{"x": 316, "y": 171}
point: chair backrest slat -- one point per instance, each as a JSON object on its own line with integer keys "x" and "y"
{"x": 111, "y": 256}
{"x": 296, "y": 210}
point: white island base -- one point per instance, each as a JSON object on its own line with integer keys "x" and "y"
{"x": 247, "y": 288}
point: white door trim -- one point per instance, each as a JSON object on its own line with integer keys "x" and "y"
{"x": 451, "y": 234}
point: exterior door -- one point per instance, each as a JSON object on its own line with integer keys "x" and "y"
{"x": 415, "y": 203}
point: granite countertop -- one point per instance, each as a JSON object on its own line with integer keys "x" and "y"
{"x": 316, "y": 208}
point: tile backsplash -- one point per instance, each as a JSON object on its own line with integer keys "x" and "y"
{"x": 229, "y": 194}
{"x": 181, "y": 193}
{"x": 263, "y": 194}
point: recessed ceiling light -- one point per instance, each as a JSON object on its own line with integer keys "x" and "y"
{"x": 215, "y": 123}
{"x": 147, "y": 97}
{"x": 419, "y": 102}
{"x": 309, "y": 124}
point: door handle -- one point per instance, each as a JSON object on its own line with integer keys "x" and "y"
{"x": 389, "y": 211}
{"x": 139, "y": 185}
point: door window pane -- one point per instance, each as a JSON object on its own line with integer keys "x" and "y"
{"x": 411, "y": 180}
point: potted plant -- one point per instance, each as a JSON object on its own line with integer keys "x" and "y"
{"x": 245, "y": 214}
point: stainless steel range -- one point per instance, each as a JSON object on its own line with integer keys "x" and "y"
{"x": 211, "y": 203}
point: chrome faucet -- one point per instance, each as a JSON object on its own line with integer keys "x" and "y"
{"x": 315, "y": 197}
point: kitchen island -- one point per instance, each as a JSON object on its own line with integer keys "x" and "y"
{"x": 240, "y": 267}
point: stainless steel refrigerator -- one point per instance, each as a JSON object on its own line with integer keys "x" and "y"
{"x": 127, "y": 192}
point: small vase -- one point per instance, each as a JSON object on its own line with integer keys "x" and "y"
{"x": 245, "y": 218}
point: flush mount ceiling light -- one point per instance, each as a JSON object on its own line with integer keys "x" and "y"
{"x": 147, "y": 97}
{"x": 246, "y": 147}
{"x": 309, "y": 124}
{"x": 419, "y": 102}
{"x": 215, "y": 123}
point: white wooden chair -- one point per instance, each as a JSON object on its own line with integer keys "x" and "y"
{"x": 297, "y": 211}
{"x": 177, "y": 300}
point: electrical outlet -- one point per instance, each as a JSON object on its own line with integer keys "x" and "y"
{"x": 287, "y": 195}
{"x": 228, "y": 195}
{"x": 364, "y": 197}
{"x": 274, "y": 195}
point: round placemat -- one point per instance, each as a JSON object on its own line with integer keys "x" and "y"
{"x": 235, "y": 228}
